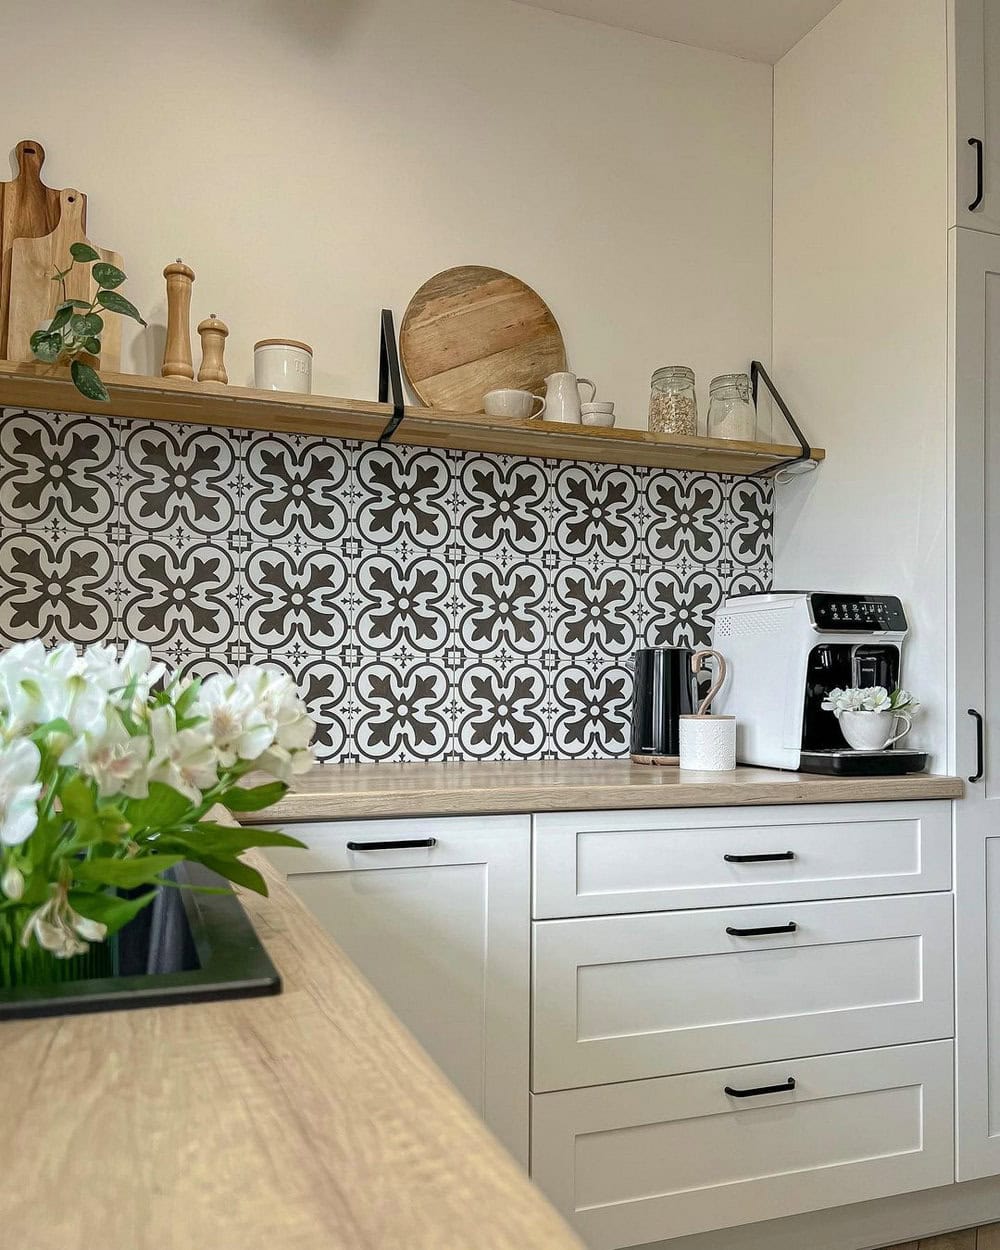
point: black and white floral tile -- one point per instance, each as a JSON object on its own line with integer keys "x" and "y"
{"x": 433, "y": 605}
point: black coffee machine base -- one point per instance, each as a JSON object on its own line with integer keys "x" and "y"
{"x": 847, "y": 763}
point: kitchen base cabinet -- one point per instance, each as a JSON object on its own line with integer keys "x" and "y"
{"x": 441, "y": 929}
{"x": 648, "y": 1160}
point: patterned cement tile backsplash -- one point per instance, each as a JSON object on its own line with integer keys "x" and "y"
{"x": 432, "y": 605}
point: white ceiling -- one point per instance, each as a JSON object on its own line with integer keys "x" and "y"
{"x": 758, "y": 30}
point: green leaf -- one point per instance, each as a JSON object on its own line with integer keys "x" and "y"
{"x": 92, "y": 347}
{"x": 107, "y": 276}
{"x": 74, "y": 303}
{"x": 59, "y": 320}
{"x": 87, "y": 382}
{"x": 86, "y": 326}
{"x": 124, "y": 872}
{"x": 83, "y": 252}
{"x": 109, "y": 909}
{"x": 207, "y": 838}
{"x": 47, "y": 345}
{"x": 116, "y": 303}
{"x": 255, "y": 799}
{"x": 78, "y": 799}
{"x": 163, "y": 807}
{"x": 235, "y": 870}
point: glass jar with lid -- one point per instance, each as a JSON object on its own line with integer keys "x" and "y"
{"x": 673, "y": 408}
{"x": 731, "y": 412}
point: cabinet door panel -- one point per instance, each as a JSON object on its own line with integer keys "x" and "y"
{"x": 442, "y": 932}
{"x": 974, "y": 362}
{"x": 634, "y": 1163}
{"x": 974, "y": 39}
{"x": 620, "y": 998}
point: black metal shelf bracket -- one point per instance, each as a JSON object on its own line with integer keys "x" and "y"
{"x": 759, "y": 374}
{"x": 389, "y": 376}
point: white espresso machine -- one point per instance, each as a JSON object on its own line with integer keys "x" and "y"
{"x": 786, "y": 650}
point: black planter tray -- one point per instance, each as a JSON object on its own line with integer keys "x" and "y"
{"x": 182, "y": 948}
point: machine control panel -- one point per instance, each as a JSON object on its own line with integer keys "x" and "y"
{"x": 854, "y": 613}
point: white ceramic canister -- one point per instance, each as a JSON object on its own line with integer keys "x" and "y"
{"x": 708, "y": 743}
{"x": 282, "y": 365}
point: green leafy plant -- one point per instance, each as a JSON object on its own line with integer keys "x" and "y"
{"x": 75, "y": 330}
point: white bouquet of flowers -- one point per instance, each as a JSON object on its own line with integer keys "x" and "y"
{"x": 108, "y": 772}
{"x": 869, "y": 699}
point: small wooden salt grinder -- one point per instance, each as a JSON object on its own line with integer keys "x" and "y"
{"x": 213, "y": 333}
{"x": 177, "y": 359}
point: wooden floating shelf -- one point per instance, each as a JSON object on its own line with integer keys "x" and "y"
{"x": 234, "y": 407}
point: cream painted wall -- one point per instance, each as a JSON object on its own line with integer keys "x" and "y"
{"x": 316, "y": 161}
{"x": 860, "y": 315}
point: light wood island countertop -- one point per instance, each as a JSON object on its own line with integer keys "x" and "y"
{"x": 307, "y": 1121}
{"x": 363, "y": 791}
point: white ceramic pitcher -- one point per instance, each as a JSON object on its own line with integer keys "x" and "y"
{"x": 562, "y": 397}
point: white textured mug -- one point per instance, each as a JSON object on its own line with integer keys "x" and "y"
{"x": 872, "y": 731}
{"x": 708, "y": 743}
{"x": 508, "y": 402}
{"x": 282, "y": 365}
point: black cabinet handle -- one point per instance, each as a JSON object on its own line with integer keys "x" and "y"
{"x": 980, "y": 188}
{"x": 402, "y": 844}
{"x": 764, "y": 1089}
{"x": 773, "y": 928}
{"x": 980, "y": 767}
{"x": 758, "y": 859}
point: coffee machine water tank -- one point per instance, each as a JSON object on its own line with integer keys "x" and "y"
{"x": 786, "y": 651}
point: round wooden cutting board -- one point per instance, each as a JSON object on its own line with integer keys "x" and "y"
{"x": 471, "y": 330}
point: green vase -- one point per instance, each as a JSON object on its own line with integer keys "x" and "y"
{"x": 21, "y": 967}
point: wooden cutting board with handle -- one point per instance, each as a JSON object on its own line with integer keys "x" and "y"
{"x": 28, "y": 209}
{"x": 471, "y": 330}
{"x": 33, "y": 294}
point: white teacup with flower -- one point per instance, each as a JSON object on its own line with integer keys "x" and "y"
{"x": 868, "y": 717}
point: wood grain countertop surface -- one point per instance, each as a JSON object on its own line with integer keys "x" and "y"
{"x": 307, "y": 1121}
{"x": 362, "y": 791}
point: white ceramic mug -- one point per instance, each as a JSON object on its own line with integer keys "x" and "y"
{"x": 508, "y": 402}
{"x": 282, "y": 365}
{"x": 708, "y": 743}
{"x": 872, "y": 731}
{"x": 562, "y": 397}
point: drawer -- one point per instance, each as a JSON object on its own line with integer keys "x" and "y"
{"x": 601, "y": 863}
{"x": 619, "y": 998}
{"x": 634, "y": 1163}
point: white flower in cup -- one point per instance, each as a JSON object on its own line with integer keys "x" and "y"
{"x": 876, "y": 699}
{"x": 19, "y": 791}
{"x": 183, "y": 759}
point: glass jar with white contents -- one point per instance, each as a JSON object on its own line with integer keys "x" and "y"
{"x": 673, "y": 408}
{"x": 731, "y": 413}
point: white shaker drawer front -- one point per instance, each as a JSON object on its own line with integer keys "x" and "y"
{"x": 634, "y": 1163}
{"x": 619, "y": 998}
{"x": 606, "y": 863}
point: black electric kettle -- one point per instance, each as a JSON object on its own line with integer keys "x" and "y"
{"x": 664, "y": 689}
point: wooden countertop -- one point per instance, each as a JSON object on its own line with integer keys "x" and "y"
{"x": 360, "y": 791}
{"x": 308, "y": 1121}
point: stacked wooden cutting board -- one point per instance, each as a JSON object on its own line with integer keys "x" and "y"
{"x": 38, "y": 224}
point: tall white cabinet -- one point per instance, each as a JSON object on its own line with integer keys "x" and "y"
{"x": 974, "y": 34}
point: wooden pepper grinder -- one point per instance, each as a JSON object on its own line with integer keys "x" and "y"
{"x": 213, "y": 334}
{"x": 177, "y": 360}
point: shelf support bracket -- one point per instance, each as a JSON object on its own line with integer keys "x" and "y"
{"x": 757, "y": 374}
{"x": 389, "y": 376}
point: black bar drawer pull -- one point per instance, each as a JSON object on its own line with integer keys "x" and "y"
{"x": 758, "y": 859}
{"x": 980, "y": 182}
{"x": 772, "y": 928}
{"x": 980, "y": 765}
{"x": 764, "y": 1089}
{"x": 402, "y": 844}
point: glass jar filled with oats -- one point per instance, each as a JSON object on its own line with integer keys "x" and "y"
{"x": 673, "y": 408}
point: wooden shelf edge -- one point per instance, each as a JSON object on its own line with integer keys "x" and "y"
{"x": 233, "y": 407}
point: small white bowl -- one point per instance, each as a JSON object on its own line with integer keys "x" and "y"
{"x": 598, "y": 418}
{"x": 600, "y": 405}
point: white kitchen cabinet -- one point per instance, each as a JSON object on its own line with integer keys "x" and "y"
{"x": 975, "y": 387}
{"x": 974, "y": 148}
{"x": 619, "y": 998}
{"x": 442, "y": 932}
{"x": 645, "y": 1160}
{"x": 607, "y": 863}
